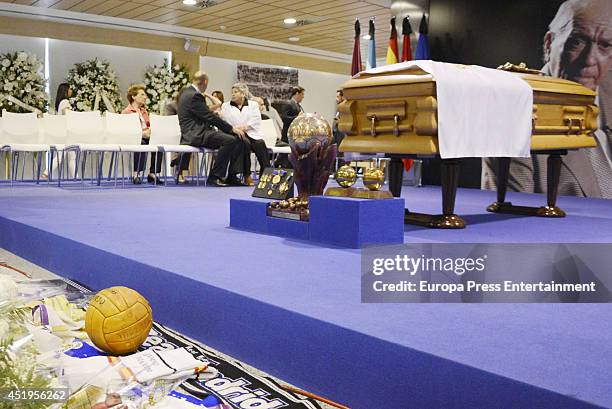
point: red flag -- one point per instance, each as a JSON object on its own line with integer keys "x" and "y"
{"x": 406, "y": 56}
{"x": 356, "y": 65}
{"x": 406, "y": 31}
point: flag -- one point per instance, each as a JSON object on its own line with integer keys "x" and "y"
{"x": 371, "y": 63}
{"x": 406, "y": 56}
{"x": 406, "y": 31}
{"x": 392, "y": 54}
{"x": 422, "y": 51}
{"x": 356, "y": 65}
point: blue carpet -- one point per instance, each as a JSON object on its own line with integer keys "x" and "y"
{"x": 293, "y": 308}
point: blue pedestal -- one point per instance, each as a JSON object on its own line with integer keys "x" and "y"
{"x": 354, "y": 223}
{"x": 337, "y": 221}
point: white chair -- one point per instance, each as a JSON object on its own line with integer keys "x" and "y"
{"x": 125, "y": 130}
{"x": 85, "y": 135}
{"x": 166, "y": 135}
{"x": 271, "y": 135}
{"x": 54, "y": 131}
{"x": 20, "y": 133}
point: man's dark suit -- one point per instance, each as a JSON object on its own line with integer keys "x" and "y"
{"x": 197, "y": 122}
{"x": 290, "y": 110}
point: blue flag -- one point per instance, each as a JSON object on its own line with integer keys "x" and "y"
{"x": 371, "y": 63}
{"x": 422, "y": 51}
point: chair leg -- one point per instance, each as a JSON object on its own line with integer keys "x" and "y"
{"x": 13, "y": 172}
{"x": 203, "y": 166}
{"x": 34, "y": 158}
{"x": 60, "y": 168}
{"x": 83, "y": 167}
{"x": 116, "y": 167}
{"x": 120, "y": 158}
{"x": 50, "y": 167}
{"x": 23, "y": 166}
{"x": 100, "y": 166}
{"x": 76, "y": 164}
{"x": 40, "y": 156}
{"x": 164, "y": 167}
{"x": 111, "y": 165}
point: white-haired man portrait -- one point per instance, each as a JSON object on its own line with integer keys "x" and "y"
{"x": 577, "y": 47}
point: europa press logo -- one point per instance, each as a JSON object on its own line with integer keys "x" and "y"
{"x": 413, "y": 265}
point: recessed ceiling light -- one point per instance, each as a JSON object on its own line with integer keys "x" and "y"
{"x": 190, "y": 2}
{"x": 290, "y": 20}
{"x": 366, "y": 37}
{"x": 294, "y": 39}
{"x": 222, "y": 27}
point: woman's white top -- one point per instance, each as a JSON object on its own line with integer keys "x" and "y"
{"x": 249, "y": 116}
{"x": 63, "y": 105}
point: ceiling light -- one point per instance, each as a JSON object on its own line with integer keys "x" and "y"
{"x": 294, "y": 39}
{"x": 222, "y": 27}
{"x": 366, "y": 37}
{"x": 190, "y": 2}
{"x": 289, "y": 21}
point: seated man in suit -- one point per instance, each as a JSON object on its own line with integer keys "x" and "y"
{"x": 198, "y": 129}
{"x": 292, "y": 109}
{"x": 289, "y": 110}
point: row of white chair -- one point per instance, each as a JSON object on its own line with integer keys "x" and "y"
{"x": 86, "y": 133}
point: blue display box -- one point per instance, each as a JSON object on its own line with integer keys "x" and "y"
{"x": 339, "y": 221}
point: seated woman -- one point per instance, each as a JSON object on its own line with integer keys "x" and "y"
{"x": 245, "y": 115}
{"x": 137, "y": 98}
{"x": 62, "y": 104}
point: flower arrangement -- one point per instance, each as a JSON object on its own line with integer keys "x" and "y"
{"x": 94, "y": 82}
{"x": 18, "y": 369}
{"x": 163, "y": 84}
{"x": 22, "y": 84}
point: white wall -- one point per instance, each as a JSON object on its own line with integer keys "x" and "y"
{"x": 33, "y": 45}
{"x": 129, "y": 63}
{"x": 320, "y": 86}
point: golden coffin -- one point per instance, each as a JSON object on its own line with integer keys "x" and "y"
{"x": 396, "y": 113}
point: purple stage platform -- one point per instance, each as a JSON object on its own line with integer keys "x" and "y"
{"x": 293, "y": 308}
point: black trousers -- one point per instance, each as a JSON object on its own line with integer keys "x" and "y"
{"x": 140, "y": 160}
{"x": 229, "y": 155}
{"x": 257, "y": 146}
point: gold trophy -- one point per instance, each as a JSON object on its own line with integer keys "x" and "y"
{"x": 373, "y": 180}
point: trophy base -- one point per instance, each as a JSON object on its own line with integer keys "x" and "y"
{"x": 298, "y": 215}
{"x": 358, "y": 193}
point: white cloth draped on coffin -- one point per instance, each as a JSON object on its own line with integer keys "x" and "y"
{"x": 482, "y": 112}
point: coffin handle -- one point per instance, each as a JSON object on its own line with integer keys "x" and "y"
{"x": 396, "y": 130}
{"x": 373, "y": 127}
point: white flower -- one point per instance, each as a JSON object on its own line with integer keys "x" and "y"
{"x": 22, "y": 56}
{"x": 6, "y": 62}
{"x": 177, "y": 67}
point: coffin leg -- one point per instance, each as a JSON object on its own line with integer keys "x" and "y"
{"x": 553, "y": 169}
{"x": 503, "y": 170}
{"x": 396, "y": 176}
{"x": 448, "y": 219}
{"x": 551, "y": 210}
{"x": 450, "y": 181}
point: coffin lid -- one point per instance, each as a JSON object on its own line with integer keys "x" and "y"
{"x": 416, "y": 75}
